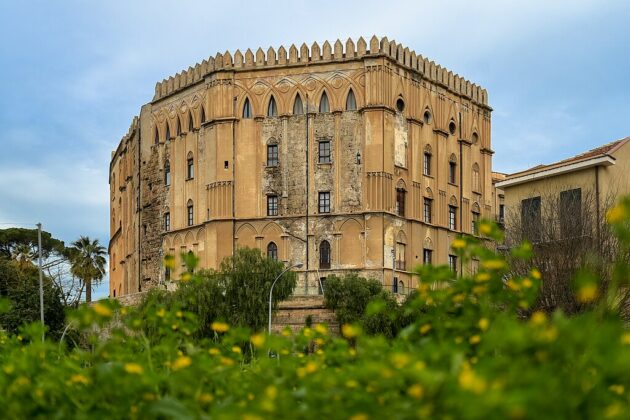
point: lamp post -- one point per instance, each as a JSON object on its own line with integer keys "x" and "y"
{"x": 296, "y": 265}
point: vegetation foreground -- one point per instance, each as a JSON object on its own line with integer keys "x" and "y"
{"x": 469, "y": 347}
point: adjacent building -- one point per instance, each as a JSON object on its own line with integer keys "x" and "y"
{"x": 566, "y": 199}
{"x": 362, "y": 157}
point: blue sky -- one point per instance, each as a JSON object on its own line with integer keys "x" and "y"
{"x": 74, "y": 74}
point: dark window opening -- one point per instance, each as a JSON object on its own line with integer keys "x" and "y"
{"x": 324, "y": 202}
{"x": 272, "y": 109}
{"x": 427, "y": 164}
{"x": 452, "y": 173}
{"x": 324, "y": 255}
{"x": 428, "y": 207}
{"x": 475, "y": 223}
{"x": 324, "y": 106}
{"x": 272, "y": 205}
{"x": 530, "y": 219}
{"x": 298, "y": 107}
{"x": 400, "y": 105}
{"x": 324, "y": 152}
{"x": 571, "y": 213}
{"x": 351, "y": 102}
{"x": 427, "y": 256}
{"x": 167, "y": 221}
{"x": 190, "y": 209}
{"x": 400, "y": 202}
{"x": 452, "y": 127}
{"x": 272, "y": 251}
{"x": 452, "y": 217}
{"x": 247, "y": 109}
{"x": 272, "y": 155}
{"x": 427, "y": 117}
{"x": 190, "y": 168}
{"x": 452, "y": 263}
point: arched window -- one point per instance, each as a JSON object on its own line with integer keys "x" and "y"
{"x": 475, "y": 138}
{"x": 298, "y": 108}
{"x": 167, "y": 173}
{"x": 476, "y": 181}
{"x": 427, "y": 117}
{"x": 401, "y": 287}
{"x": 452, "y": 214}
{"x": 179, "y": 127}
{"x": 272, "y": 251}
{"x": 324, "y": 255}
{"x": 191, "y": 124}
{"x": 351, "y": 102}
{"x": 190, "y": 213}
{"x": 400, "y": 105}
{"x": 247, "y": 109}
{"x": 203, "y": 115}
{"x": 167, "y": 220}
{"x": 157, "y": 136}
{"x": 324, "y": 106}
{"x": 190, "y": 166}
{"x": 168, "y": 131}
{"x": 272, "y": 109}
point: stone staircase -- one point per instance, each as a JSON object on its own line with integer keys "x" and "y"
{"x": 294, "y": 312}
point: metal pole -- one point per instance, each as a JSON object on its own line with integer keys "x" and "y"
{"x": 41, "y": 277}
{"x": 298, "y": 265}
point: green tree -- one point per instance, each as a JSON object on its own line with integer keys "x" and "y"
{"x": 16, "y": 242}
{"x": 20, "y": 284}
{"x": 88, "y": 262}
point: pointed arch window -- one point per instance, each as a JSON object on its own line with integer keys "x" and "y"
{"x": 168, "y": 131}
{"x": 324, "y": 106}
{"x": 247, "y": 109}
{"x": 272, "y": 251}
{"x": 191, "y": 125}
{"x": 298, "y": 107}
{"x": 324, "y": 255}
{"x": 190, "y": 213}
{"x": 179, "y": 127}
{"x": 427, "y": 117}
{"x": 157, "y": 136}
{"x": 203, "y": 115}
{"x": 167, "y": 173}
{"x": 351, "y": 102}
{"x": 452, "y": 170}
{"x": 272, "y": 109}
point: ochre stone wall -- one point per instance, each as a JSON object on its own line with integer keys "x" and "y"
{"x": 406, "y": 106}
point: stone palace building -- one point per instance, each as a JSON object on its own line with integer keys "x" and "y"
{"x": 362, "y": 157}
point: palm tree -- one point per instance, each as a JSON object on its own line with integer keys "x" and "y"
{"x": 88, "y": 263}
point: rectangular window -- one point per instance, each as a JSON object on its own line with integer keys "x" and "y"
{"x": 452, "y": 263}
{"x": 324, "y": 202}
{"x": 571, "y": 213}
{"x": 190, "y": 173}
{"x": 395, "y": 285}
{"x": 167, "y": 177}
{"x": 428, "y": 207}
{"x": 501, "y": 213}
{"x": 272, "y": 155}
{"x": 191, "y": 219}
{"x": 272, "y": 205}
{"x": 324, "y": 152}
{"x": 322, "y": 284}
{"x": 530, "y": 219}
{"x": 475, "y": 224}
{"x": 427, "y": 164}
{"x": 452, "y": 217}
{"x": 400, "y": 202}
{"x": 452, "y": 173}
{"x": 427, "y": 256}
{"x": 167, "y": 221}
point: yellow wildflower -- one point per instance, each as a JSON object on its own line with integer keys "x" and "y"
{"x": 469, "y": 381}
{"x": 482, "y": 277}
{"x": 205, "y": 398}
{"x": 214, "y": 351}
{"x": 536, "y": 274}
{"x": 359, "y": 416}
{"x": 179, "y": 314}
{"x": 271, "y": 392}
{"x": 351, "y": 383}
{"x": 79, "y": 379}
{"x": 458, "y": 244}
{"x": 527, "y": 283}
{"x": 161, "y": 312}
{"x": 102, "y": 310}
{"x": 425, "y": 329}
{"x": 258, "y": 340}
{"x": 485, "y": 228}
{"x": 169, "y": 262}
{"x": 310, "y": 367}
{"x": 625, "y": 338}
{"x": 399, "y": 360}
{"x": 219, "y": 327}
{"x": 350, "y": 331}
{"x": 133, "y": 368}
{"x": 475, "y": 339}
{"x": 483, "y": 324}
{"x": 225, "y": 361}
{"x": 321, "y": 329}
{"x": 538, "y": 318}
{"x": 617, "y": 214}
{"x": 617, "y": 389}
{"x": 494, "y": 264}
{"x": 587, "y": 293}
{"x": 186, "y": 276}
{"x": 181, "y": 363}
{"x": 236, "y": 349}
{"x": 415, "y": 391}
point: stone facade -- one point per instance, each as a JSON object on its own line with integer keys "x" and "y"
{"x": 380, "y": 110}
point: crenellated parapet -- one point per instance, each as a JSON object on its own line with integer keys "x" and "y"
{"x": 326, "y": 53}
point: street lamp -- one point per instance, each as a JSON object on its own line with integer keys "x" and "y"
{"x": 296, "y": 265}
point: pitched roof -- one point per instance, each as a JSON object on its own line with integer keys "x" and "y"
{"x": 600, "y": 151}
